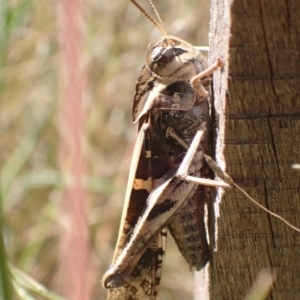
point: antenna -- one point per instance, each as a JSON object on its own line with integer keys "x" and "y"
{"x": 157, "y": 14}
{"x": 159, "y": 26}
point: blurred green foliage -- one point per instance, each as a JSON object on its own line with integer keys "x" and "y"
{"x": 116, "y": 39}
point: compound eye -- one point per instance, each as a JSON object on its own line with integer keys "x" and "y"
{"x": 157, "y": 53}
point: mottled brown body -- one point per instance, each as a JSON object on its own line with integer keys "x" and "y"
{"x": 170, "y": 112}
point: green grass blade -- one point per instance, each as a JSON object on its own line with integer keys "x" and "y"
{"x": 25, "y": 281}
{"x": 6, "y": 291}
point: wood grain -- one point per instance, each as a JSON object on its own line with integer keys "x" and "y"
{"x": 257, "y": 103}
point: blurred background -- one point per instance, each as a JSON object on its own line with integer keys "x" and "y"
{"x": 66, "y": 118}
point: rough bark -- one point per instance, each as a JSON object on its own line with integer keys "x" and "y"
{"x": 257, "y": 104}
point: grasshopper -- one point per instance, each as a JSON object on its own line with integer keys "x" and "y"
{"x": 168, "y": 178}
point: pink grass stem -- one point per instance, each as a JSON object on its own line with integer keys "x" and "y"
{"x": 74, "y": 259}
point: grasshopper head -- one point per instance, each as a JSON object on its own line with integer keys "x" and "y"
{"x": 170, "y": 57}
